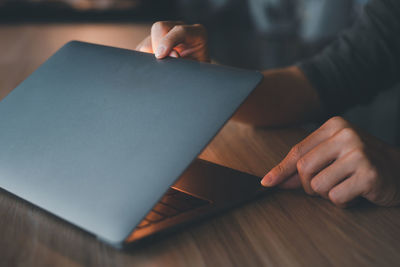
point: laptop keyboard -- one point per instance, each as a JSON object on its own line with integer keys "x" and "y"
{"x": 173, "y": 203}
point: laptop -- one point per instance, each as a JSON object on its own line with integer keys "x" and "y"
{"x": 107, "y": 139}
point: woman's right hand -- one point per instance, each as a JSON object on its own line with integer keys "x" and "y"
{"x": 175, "y": 39}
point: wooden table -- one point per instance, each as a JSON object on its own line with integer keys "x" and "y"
{"x": 284, "y": 228}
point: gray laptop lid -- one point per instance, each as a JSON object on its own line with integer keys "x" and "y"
{"x": 97, "y": 134}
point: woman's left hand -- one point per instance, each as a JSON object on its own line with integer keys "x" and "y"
{"x": 340, "y": 163}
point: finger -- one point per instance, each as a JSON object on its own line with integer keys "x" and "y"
{"x": 174, "y": 37}
{"x": 291, "y": 183}
{"x": 174, "y": 54}
{"x": 314, "y": 161}
{"x": 346, "y": 191}
{"x": 177, "y": 36}
{"x": 158, "y": 31}
{"x": 321, "y": 156}
{"x": 288, "y": 167}
{"x": 145, "y": 45}
{"x": 281, "y": 172}
{"x": 339, "y": 170}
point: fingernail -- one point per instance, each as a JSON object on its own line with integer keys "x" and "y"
{"x": 266, "y": 181}
{"x": 160, "y": 50}
{"x": 174, "y": 54}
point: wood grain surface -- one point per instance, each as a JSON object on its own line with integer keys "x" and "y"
{"x": 284, "y": 228}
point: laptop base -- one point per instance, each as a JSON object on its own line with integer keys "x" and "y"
{"x": 204, "y": 189}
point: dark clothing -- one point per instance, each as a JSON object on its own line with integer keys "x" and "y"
{"x": 363, "y": 61}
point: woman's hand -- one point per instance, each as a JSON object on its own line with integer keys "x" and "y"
{"x": 175, "y": 39}
{"x": 338, "y": 162}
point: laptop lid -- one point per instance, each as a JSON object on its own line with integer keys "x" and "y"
{"x": 97, "y": 134}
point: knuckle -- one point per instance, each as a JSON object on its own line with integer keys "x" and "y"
{"x": 279, "y": 169}
{"x": 335, "y": 199}
{"x": 316, "y": 186}
{"x": 162, "y": 27}
{"x": 373, "y": 174}
{"x": 337, "y": 122}
{"x": 180, "y": 28}
{"x": 348, "y": 134}
{"x": 295, "y": 152}
{"x": 157, "y": 25}
{"x": 358, "y": 154}
{"x": 302, "y": 166}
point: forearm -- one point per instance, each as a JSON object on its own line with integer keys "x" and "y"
{"x": 362, "y": 62}
{"x": 284, "y": 97}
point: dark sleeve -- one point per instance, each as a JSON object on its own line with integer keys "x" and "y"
{"x": 363, "y": 61}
